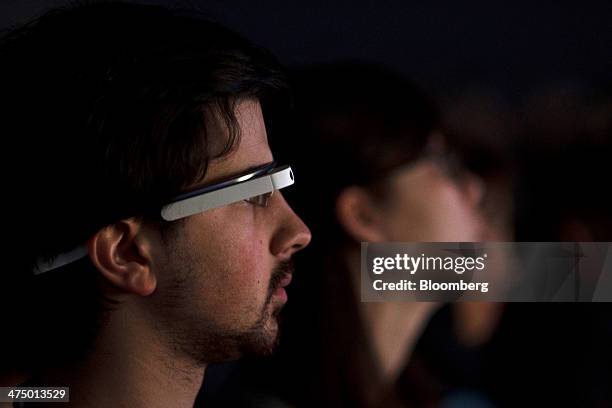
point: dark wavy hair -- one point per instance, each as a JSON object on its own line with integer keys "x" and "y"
{"x": 104, "y": 116}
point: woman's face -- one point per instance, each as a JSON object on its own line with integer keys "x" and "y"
{"x": 428, "y": 201}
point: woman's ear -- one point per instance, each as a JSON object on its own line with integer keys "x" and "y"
{"x": 359, "y": 216}
{"x": 122, "y": 252}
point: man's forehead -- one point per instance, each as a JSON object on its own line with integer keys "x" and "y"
{"x": 252, "y": 149}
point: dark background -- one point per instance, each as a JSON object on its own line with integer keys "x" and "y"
{"x": 510, "y": 48}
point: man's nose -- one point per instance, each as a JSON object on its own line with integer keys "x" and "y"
{"x": 291, "y": 234}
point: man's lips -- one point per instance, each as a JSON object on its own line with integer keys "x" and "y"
{"x": 279, "y": 292}
{"x": 285, "y": 281}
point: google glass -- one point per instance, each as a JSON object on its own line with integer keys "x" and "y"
{"x": 255, "y": 186}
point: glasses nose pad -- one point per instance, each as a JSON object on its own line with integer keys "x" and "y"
{"x": 266, "y": 198}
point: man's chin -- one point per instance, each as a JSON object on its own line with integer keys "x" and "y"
{"x": 259, "y": 341}
{"x": 271, "y": 336}
{"x": 264, "y": 336}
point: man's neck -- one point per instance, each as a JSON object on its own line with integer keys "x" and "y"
{"x": 129, "y": 367}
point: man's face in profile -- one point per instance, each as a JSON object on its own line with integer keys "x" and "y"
{"x": 221, "y": 272}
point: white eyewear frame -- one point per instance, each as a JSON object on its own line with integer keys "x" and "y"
{"x": 256, "y": 186}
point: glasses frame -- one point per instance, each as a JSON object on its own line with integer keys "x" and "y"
{"x": 261, "y": 181}
{"x": 258, "y": 184}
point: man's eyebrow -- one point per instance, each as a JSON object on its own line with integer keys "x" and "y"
{"x": 251, "y": 169}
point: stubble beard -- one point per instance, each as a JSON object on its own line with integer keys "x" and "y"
{"x": 204, "y": 343}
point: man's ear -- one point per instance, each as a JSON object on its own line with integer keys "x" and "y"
{"x": 358, "y": 215}
{"x": 122, "y": 252}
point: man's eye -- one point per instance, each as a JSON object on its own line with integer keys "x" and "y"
{"x": 260, "y": 200}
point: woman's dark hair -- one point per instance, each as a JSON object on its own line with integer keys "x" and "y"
{"x": 105, "y": 112}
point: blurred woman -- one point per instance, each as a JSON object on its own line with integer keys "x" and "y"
{"x": 373, "y": 165}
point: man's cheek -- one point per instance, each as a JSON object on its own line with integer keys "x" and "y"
{"x": 242, "y": 282}
{"x": 253, "y": 267}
